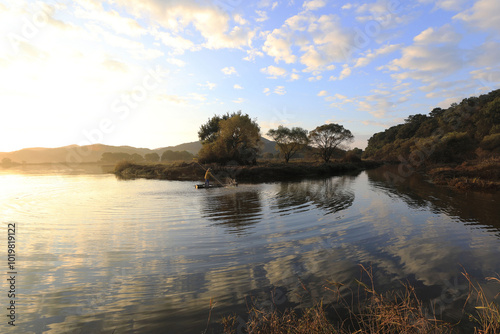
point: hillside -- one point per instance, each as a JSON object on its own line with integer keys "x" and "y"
{"x": 93, "y": 153}
{"x": 464, "y": 131}
{"x": 458, "y": 146}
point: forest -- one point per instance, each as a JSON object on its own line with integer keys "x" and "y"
{"x": 465, "y": 131}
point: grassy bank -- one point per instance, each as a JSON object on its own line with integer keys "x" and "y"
{"x": 262, "y": 172}
{"x": 393, "y": 312}
{"x": 470, "y": 175}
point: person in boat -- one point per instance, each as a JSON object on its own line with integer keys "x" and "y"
{"x": 208, "y": 175}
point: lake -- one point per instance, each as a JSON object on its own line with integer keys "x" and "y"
{"x": 95, "y": 254}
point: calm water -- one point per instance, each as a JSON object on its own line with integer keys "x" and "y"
{"x": 96, "y": 254}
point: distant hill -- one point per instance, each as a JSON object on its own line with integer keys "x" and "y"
{"x": 93, "y": 153}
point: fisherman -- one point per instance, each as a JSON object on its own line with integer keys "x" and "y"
{"x": 208, "y": 175}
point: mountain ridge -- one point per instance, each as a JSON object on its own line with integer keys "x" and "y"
{"x": 92, "y": 153}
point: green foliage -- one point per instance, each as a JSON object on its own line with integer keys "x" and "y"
{"x": 237, "y": 139}
{"x": 327, "y": 137}
{"x": 289, "y": 141}
{"x": 448, "y": 135}
{"x": 209, "y": 131}
{"x": 454, "y": 147}
{"x": 491, "y": 142}
{"x": 170, "y": 155}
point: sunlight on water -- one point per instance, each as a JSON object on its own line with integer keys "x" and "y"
{"x": 98, "y": 254}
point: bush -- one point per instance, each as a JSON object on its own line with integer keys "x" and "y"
{"x": 454, "y": 147}
{"x": 491, "y": 142}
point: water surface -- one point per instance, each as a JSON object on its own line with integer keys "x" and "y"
{"x": 97, "y": 254}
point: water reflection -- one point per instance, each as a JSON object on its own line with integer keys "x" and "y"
{"x": 147, "y": 256}
{"x": 476, "y": 208}
{"x": 329, "y": 195}
{"x": 233, "y": 209}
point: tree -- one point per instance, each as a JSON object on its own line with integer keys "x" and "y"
{"x": 170, "y": 155}
{"x": 327, "y": 137}
{"x": 153, "y": 157}
{"x": 136, "y": 157}
{"x": 210, "y": 130}
{"x": 289, "y": 141}
{"x": 237, "y": 139}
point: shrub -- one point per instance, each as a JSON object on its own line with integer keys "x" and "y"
{"x": 491, "y": 142}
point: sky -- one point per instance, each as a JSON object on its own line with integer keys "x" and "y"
{"x": 148, "y": 73}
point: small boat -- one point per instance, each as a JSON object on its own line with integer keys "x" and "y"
{"x": 203, "y": 186}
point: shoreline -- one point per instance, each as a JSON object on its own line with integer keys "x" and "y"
{"x": 261, "y": 172}
{"x": 478, "y": 175}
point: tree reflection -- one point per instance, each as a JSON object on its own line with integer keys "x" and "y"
{"x": 469, "y": 207}
{"x": 237, "y": 211}
{"x": 329, "y": 195}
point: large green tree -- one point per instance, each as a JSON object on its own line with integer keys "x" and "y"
{"x": 289, "y": 141}
{"x": 209, "y": 131}
{"x": 232, "y": 138}
{"x": 327, "y": 138}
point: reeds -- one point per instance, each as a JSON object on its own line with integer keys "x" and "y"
{"x": 369, "y": 312}
{"x": 487, "y": 312}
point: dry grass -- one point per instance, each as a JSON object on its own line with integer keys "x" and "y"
{"x": 392, "y": 312}
{"x": 483, "y": 174}
{"x": 487, "y": 312}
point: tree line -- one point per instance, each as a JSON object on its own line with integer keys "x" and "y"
{"x": 168, "y": 155}
{"x": 236, "y": 137}
{"x": 465, "y": 131}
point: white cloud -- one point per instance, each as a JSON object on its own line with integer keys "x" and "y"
{"x": 178, "y": 44}
{"x": 213, "y": 24}
{"x": 266, "y": 91}
{"x": 321, "y": 40}
{"x": 347, "y": 6}
{"x": 239, "y": 100}
{"x": 278, "y": 45}
{"x": 487, "y": 54}
{"x": 444, "y": 35}
{"x": 176, "y": 62}
{"x": 262, "y": 16}
{"x": 209, "y": 85}
{"x": 280, "y": 90}
{"x": 252, "y": 54}
{"x": 346, "y": 71}
{"x": 198, "y": 97}
{"x": 316, "y": 78}
{"x": 435, "y": 54}
{"x": 323, "y": 93}
{"x": 95, "y": 12}
{"x": 314, "y": 4}
{"x": 294, "y": 77}
{"x": 115, "y": 65}
{"x": 273, "y": 71}
{"x": 451, "y": 5}
{"x": 236, "y": 86}
{"x": 485, "y": 15}
{"x": 229, "y": 70}
{"x": 172, "y": 98}
{"x": 371, "y": 55}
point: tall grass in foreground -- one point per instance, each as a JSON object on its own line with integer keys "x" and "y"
{"x": 391, "y": 312}
{"x": 487, "y": 314}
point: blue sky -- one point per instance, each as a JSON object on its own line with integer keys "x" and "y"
{"x": 149, "y": 73}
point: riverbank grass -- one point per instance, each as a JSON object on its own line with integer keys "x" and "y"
{"x": 470, "y": 175}
{"x": 261, "y": 172}
{"x": 392, "y": 312}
